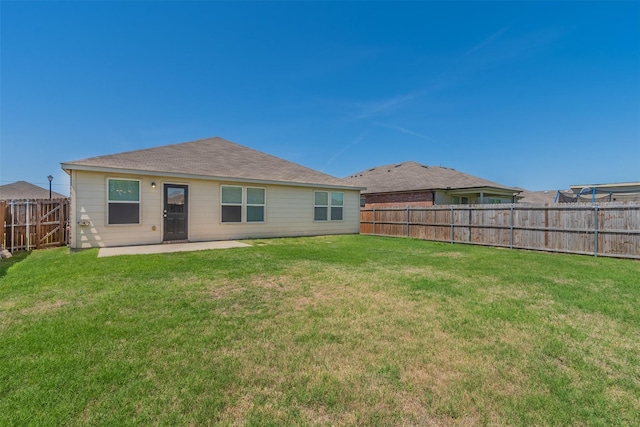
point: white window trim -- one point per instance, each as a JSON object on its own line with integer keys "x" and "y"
{"x": 262, "y": 205}
{"x": 315, "y": 205}
{"x": 139, "y": 202}
{"x": 329, "y": 205}
{"x": 243, "y": 205}
{"x": 222, "y": 203}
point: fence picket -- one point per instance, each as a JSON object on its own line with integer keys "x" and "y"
{"x": 36, "y": 223}
{"x": 603, "y": 229}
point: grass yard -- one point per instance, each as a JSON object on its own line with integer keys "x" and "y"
{"x": 339, "y": 330}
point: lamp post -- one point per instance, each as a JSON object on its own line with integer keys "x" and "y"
{"x": 50, "y": 178}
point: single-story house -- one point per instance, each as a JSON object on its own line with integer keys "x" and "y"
{"x": 209, "y": 189}
{"x": 21, "y": 190}
{"x": 414, "y": 184}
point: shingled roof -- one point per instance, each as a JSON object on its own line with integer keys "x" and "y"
{"x": 538, "y": 197}
{"x": 212, "y": 158}
{"x": 412, "y": 176}
{"x": 21, "y": 190}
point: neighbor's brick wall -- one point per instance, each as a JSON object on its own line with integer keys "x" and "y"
{"x": 394, "y": 200}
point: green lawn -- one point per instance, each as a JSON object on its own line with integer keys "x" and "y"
{"x": 348, "y": 330}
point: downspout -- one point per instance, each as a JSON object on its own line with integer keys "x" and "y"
{"x": 73, "y": 213}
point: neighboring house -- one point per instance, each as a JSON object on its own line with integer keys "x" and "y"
{"x": 413, "y": 184}
{"x": 616, "y": 192}
{"x": 21, "y": 190}
{"x": 210, "y": 189}
{"x": 543, "y": 197}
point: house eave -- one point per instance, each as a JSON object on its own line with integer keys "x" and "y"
{"x": 493, "y": 190}
{"x": 457, "y": 190}
{"x": 67, "y": 167}
{"x": 613, "y": 185}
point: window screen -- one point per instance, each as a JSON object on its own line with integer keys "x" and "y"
{"x": 231, "y": 204}
{"x": 123, "y": 201}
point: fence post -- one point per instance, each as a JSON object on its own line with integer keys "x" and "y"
{"x": 595, "y": 231}
{"x": 451, "y": 223}
{"x": 13, "y": 211}
{"x": 435, "y": 232}
{"x": 511, "y": 228}
{"x": 38, "y": 223}
{"x": 407, "y": 221}
{"x": 63, "y": 228}
{"x": 3, "y": 211}
{"x": 27, "y": 212}
{"x": 374, "y": 221}
{"x": 546, "y": 228}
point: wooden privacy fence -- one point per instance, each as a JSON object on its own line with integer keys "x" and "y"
{"x": 34, "y": 224}
{"x": 606, "y": 229}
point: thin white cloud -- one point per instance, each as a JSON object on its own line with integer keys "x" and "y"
{"x": 497, "y": 47}
{"x": 343, "y": 149}
{"x": 377, "y": 108}
{"x": 518, "y": 46}
{"x": 486, "y": 42}
{"x": 407, "y": 131}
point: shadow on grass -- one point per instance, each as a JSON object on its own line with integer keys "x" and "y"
{"x": 6, "y": 263}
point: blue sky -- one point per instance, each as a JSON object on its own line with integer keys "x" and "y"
{"x": 539, "y": 95}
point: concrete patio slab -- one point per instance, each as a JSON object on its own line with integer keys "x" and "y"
{"x": 167, "y": 248}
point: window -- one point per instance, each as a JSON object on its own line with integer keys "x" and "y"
{"x": 236, "y": 200}
{"x": 231, "y": 204}
{"x": 328, "y": 206}
{"x": 255, "y": 204}
{"x": 337, "y": 202}
{"x": 123, "y": 200}
{"x": 321, "y": 206}
{"x": 459, "y": 200}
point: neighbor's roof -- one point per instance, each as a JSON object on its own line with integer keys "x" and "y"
{"x": 634, "y": 186}
{"x": 24, "y": 190}
{"x": 411, "y": 176}
{"x": 538, "y": 197}
{"x": 209, "y": 158}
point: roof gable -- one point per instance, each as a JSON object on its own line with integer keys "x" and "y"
{"x": 412, "y": 176}
{"x": 209, "y": 158}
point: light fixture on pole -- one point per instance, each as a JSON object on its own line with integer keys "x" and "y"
{"x": 50, "y": 178}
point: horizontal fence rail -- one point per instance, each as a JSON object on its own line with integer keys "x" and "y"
{"x": 34, "y": 224}
{"x": 605, "y": 229}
